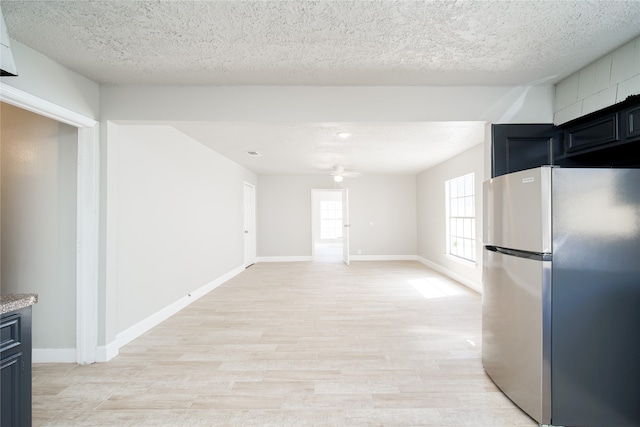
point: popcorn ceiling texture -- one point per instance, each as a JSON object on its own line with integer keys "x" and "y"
{"x": 323, "y": 42}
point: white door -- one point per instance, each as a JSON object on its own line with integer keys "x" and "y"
{"x": 249, "y": 224}
{"x": 345, "y": 226}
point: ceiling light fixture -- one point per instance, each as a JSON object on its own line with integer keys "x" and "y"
{"x": 343, "y": 135}
{"x": 338, "y": 178}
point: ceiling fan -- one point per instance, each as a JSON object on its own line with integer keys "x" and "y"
{"x": 339, "y": 173}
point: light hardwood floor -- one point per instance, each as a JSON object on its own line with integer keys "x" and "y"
{"x": 296, "y": 344}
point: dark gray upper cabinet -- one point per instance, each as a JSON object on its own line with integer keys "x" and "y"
{"x": 606, "y": 138}
{"x": 523, "y": 146}
{"x": 590, "y": 135}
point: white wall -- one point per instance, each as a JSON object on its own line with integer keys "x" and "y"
{"x": 607, "y": 81}
{"x": 431, "y": 215}
{"x": 179, "y": 219}
{"x": 39, "y": 221}
{"x": 382, "y": 214}
{"x": 321, "y": 104}
{"x": 283, "y": 214}
{"x": 46, "y": 79}
{"x": 381, "y": 210}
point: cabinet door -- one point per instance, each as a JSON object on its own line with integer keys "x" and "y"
{"x": 524, "y": 146}
{"x": 15, "y": 368}
{"x": 593, "y": 133}
{"x": 631, "y": 117}
{"x": 11, "y": 381}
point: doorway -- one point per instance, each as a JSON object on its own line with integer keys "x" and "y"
{"x": 87, "y": 227}
{"x": 329, "y": 222}
{"x": 249, "y": 224}
{"x": 38, "y": 209}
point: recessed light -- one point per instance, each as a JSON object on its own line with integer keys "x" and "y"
{"x": 343, "y": 135}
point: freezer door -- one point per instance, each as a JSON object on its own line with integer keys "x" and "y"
{"x": 516, "y": 341}
{"x": 517, "y": 210}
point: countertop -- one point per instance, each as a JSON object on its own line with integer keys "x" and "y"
{"x": 16, "y": 302}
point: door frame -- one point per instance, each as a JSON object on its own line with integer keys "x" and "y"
{"x": 314, "y": 217}
{"x": 250, "y": 254}
{"x": 88, "y": 200}
{"x": 346, "y": 227}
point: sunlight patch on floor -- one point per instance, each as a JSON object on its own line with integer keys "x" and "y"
{"x": 434, "y": 287}
{"x": 328, "y": 252}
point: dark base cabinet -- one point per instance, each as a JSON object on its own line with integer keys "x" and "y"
{"x": 15, "y": 368}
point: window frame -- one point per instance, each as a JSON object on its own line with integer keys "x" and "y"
{"x": 336, "y": 208}
{"x": 460, "y": 214}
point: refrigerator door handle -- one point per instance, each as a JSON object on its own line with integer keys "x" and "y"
{"x": 520, "y": 254}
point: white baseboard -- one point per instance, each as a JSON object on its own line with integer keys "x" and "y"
{"x": 383, "y": 257}
{"x": 351, "y": 257}
{"x": 284, "y": 258}
{"x": 53, "y": 355}
{"x": 104, "y": 353}
{"x": 111, "y": 350}
{"x": 477, "y": 287}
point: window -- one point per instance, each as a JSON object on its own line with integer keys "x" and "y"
{"x": 461, "y": 217}
{"x": 330, "y": 219}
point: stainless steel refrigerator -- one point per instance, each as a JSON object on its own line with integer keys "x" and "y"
{"x": 561, "y": 293}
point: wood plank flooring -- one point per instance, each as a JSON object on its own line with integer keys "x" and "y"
{"x": 296, "y": 344}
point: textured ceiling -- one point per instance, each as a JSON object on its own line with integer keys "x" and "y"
{"x": 380, "y": 42}
{"x": 323, "y": 42}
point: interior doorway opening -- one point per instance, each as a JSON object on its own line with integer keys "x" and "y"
{"x": 87, "y": 226}
{"x": 38, "y": 207}
{"x": 327, "y": 225}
